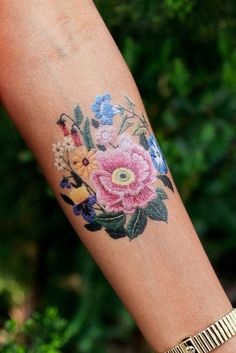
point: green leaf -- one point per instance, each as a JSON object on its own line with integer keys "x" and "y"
{"x": 78, "y": 115}
{"x": 87, "y": 135}
{"x": 157, "y": 210}
{"x": 140, "y": 129}
{"x": 161, "y": 194}
{"x": 10, "y": 326}
{"x": 77, "y": 179}
{"x": 166, "y": 181}
{"x": 111, "y": 221}
{"x": 95, "y": 123}
{"x": 101, "y": 147}
{"x": 117, "y": 233}
{"x": 137, "y": 223}
{"x": 122, "y": 110}
{"x": 125, "y": 124}
{"x": 143, "y": 141}
{"x": 129, "y": 102}
{"x": 93, "y": 227}
{"x": 67, "y": 199}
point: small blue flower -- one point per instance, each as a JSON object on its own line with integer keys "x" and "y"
{"x": 65, "y": 184}
{"x": 86, "y": 209}
{"x": 104, "y": 110}
{"x": 157, "y": 155}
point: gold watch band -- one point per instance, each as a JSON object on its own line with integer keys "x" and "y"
{"x": 210, "y": 338}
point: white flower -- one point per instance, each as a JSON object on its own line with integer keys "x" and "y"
{"x": 105, "y": 134}
{"x": 59, "y": 163}
{"x": 68, "y": 143}
{"x": 125, "y": 141}
{"x": 58, "y": 149}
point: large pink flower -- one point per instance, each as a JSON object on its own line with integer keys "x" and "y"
{"x": 124, "y": 179}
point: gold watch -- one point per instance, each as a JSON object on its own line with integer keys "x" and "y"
{"x": 210, "y": 338}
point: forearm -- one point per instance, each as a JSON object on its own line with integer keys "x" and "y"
{"x": 64, "y": 57}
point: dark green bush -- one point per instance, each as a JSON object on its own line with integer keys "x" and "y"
{"x": 43, "y": 333}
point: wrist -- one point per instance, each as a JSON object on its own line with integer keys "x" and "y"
{"x": 227, "y": 347}
{"x": 211, "y": 338}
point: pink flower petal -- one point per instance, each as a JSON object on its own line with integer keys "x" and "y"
{"x": 145, "y": 166}
{"x": 113, "y": 159}
{"x": 103, "y": 195}
{"x": 130, "y": 202}
{"x": 127, "y": 197}
{"x": 116, "y": 207}
{"x": 141, "y": 166}
{"x": 107, "y": 183}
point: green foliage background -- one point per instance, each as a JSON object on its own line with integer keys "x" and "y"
{"x": 182, "y": 54}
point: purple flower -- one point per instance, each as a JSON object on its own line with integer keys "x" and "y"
{"x": 86, "y": 209}
{"x": 65, "y": 184}
{"x": 104, "y": 110}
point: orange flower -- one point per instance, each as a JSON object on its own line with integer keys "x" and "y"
{"x": 85, "y": 161}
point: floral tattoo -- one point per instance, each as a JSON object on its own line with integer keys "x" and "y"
{"x": 108, "y": 173}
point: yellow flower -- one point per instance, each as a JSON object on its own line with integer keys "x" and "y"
{"x": 79, "y": 195}
{"x": 85, "y": 161}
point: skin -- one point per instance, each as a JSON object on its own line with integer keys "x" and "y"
{"x": 54, "y": 55}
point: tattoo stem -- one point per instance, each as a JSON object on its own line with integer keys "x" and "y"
{"x": 97, "y": 208}
{"x": 143, "y": 121}
{"x": 92, "y": 192}
{"x": 89, "y": 188}
{"x": 67, "y": 154}
{"x": 111, "y": 144}
{"x": 67, "y": 170}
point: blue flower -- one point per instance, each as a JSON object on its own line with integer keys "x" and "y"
{"x": 65, "y": 183}
{"x": 157, "y": 155}
{"x": 85, "y": 209}
{"x": 104, "y": 110}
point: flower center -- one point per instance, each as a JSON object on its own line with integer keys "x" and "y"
{"x": 123, "y": 176}
{"x": 157, "y": 152}
{"x": 105, "y": 135}
{"x": 85, "y": 162}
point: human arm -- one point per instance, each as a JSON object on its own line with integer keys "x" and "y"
{"x": 54, "y": 58}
